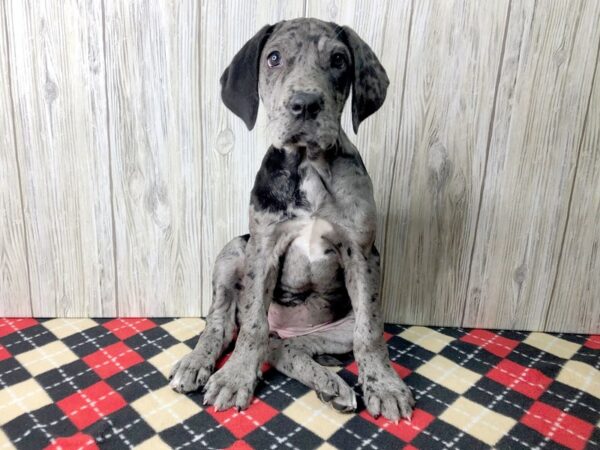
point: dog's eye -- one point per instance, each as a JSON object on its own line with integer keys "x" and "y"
{"x": 338, "y": 60}
{"x": 274, "y": 59}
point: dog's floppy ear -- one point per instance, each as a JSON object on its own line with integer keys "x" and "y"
{"x": 239, "y": 82}
{"x": 370, "y": 81}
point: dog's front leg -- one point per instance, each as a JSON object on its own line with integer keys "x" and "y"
{"x": 384, "y": 391}
{"x": 234, "y": 383}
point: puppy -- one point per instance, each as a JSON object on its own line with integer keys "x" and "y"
{"x": 305, "y": 281}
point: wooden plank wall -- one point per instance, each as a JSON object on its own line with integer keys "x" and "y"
{"x": 58, "y": 95}
{"x": 122, "y": 174}
{"x": 15, "y": 296}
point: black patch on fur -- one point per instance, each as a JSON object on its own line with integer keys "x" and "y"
{"x": 277, "y": 183}
{"x": 245, "y": 237}
{"x": 331, "y": 153}
{"x": 287, "y": 298}
{"x": 327, "y": 360}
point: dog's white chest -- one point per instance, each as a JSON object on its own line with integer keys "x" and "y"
{"x": 311, "y": 242}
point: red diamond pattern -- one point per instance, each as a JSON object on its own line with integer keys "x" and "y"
{"x": 8, "y": 325}
{"x": 404, "y": 430}
{"x": 112, "y": 359}
{"x": 4, "y": 354}
{"x": 77, "y": 441}
{"x": 127, "y": 327}
{"x": 91, "y": 404}
{"x": 492, "y": 342}
{"x": 593, "y": 342}
{"x": 527, "y": 381}
{"x": 240, "y": 445}
{"x": 560, "y": 426}
{"x": 243, "y": 422}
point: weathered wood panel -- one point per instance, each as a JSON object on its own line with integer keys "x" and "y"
{"x": 575, "y": 305}
{"x": 57, "y": 80}
{"x": 546, "y": 79}
{"x": 231, "y": 154}
{"x": 484, "y": 158}
{"x": 441, "y": 150}
{"x": 378, "y": 23}
{"x": 14, "y": 274}
{"x": 152, "y": 69}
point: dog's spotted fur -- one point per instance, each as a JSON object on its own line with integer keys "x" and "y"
{"x": 312, "y": 227}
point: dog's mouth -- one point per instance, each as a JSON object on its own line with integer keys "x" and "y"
{"x": 311, "y": 134}
{"x": 311, "y": 148}
{"x": 302, "y": 139}
{"x": 309, "y": 138}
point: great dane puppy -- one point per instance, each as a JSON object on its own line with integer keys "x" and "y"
{"x": 308, "y": 271}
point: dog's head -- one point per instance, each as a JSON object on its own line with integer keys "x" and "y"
{"x": 303, "y": 70}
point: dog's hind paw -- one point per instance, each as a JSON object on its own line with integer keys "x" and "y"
{"x": 338, "y": 394}
{"x": 344, "y": 403}
{"x": 191, "y": 372}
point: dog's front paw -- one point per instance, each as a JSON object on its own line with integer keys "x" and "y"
{"x": 190, "y": 372}
{"x": 386, "y": 394}
{"x": 231, "y": 385}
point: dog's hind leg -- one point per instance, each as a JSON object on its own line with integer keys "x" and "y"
{"x": 193, "y": 370}
{"x": 294, "y": 358}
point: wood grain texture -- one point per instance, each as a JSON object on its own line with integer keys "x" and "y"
{"x": 440, "y": 160}
{"x": 57, "y": 79}
{"x": 122, "y": 174}
{"x": 543, "y": 94}
{"x": 378, "y": 23}
{"x": 575, "y": 304}
{"x": 231, "y": 154}
{"x": 14, "y": 274}
{"x": 152, "y": 69}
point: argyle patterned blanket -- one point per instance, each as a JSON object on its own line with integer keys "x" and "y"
{"x": 84, "y": 383}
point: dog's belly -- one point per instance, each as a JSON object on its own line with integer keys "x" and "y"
{"x": 310, "y": 291}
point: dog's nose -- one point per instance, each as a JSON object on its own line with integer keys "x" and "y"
{"x": 306, "y": 105}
